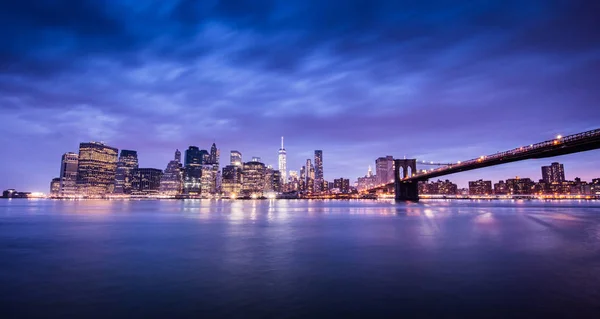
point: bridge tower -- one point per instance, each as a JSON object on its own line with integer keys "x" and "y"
{"x": 405, "y": 190}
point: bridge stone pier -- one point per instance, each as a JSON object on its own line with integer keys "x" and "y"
{"x": 405, "y": 190}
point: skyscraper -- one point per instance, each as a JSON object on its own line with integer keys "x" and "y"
{"x": 194, "y": 158}
{"x": 283, "y": 163}
{"x": 171, "y": 182}
{"x": 318, "y": 171}
{"x": 231, "y": 183}
{"x": 555, "y": 173}
{"x": 68, "y": 174}
{"x": 214, "y": 155}
{"x": 384, "y": 169}
{"x": 310, "y": 177}
{"x": 208, "y": 180}
{"x": 235, "y": 158}
{"x": 128, "y": 161}
{"x": 97, "y": 169}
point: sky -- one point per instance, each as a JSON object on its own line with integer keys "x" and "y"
{"x": 435, "y": 80}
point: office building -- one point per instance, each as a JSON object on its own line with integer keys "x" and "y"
{"x": 480, "y": 187}
{"x": 341, "y": 185}
{"x": 384, "y": 169}
{"x": 68, "y": 174}
{"x": 318, "y": 171}
{"x": 97, "y": 169}
{"x": 310, "y": 177}
{"x": 208, "y": 180}
{"x": 253, "y": 180}
{"x": 520, "y": 186}
{"x": 438, "y": 188}
{"x": 145, "y": 181}
{"x": 235, "y": 158}
{"x": 171, "y": 182}
{"x": 214, "y": 155}
{"x": 501, "y": 188}
{"x": 192, "y": 171}
{"x": 128, "y": 161}
{"x": 231, "y": 180}
{"x": 55, "y": 187}
{"x": 282, "y": 161}
{"x": 555, "y": 173}
{"x": 366, "y": 182}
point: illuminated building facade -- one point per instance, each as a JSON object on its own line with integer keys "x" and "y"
{"x": 97, "y": 169}
{"x": 128, "y": 161}
{"x": 555, "y": 173}
{"x": 208, "y": 180}
{"x": 520, "y": 186}
{"x": 480, "y": 187}
{"x": 282, "y": 163}
{"x": 253, "y": 180}
{"x": 231, "y": 180}
{"x": 145, "y": 181}
{"x": 310, "y": 177}
{"x": 341, "y": 185}
{"x": 318, "y": 171}
{"x": 171, "y": 183}
{"x": 235, "y": 158}
{"x": 384, "y": 169}
{"x": 192, "y": 170}
{"x": 68, "y": 174}
{"x": 55, "y": 187}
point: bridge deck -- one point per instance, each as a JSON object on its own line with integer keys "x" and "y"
{"x": 559, "y": 146}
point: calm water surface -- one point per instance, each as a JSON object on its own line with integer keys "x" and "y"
{"x": 299, "y": 259}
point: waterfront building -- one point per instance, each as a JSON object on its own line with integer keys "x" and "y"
{"x": 384, "y": 169}
{"x": 366, "y": 182}
{"x": 145, "y": 181}
{"x": 97, "y": 169}
{"x": 282, "y": 161}
{"x": 55, "y": 187}
{"x": 128, "y": 161}
{"x": 438, "y": 188}
{"x": 235, "y": 158}
{"x": 214, "y": 155}
{"x": 341, "y": 185}
{"x": 272, "y": 180}
{"x": 68, "y": 174}
{"x": 310, "y": 177}
{"x": 253, "y": 180}
{"x": 595, "y": 186}
{"x": 520, "y": 186}
{"x": 192, "y": 171}
{"x": 480, "y": 187}
{"x": 302, "y": 182}
{"x": 501, "y": 188}
{"x": 555, "y": 173}
{"x": 171, "y": 182}
{"x": 231, "y": 184}
{"x": 208, "y": 180}
{"x": 318, "y": 171}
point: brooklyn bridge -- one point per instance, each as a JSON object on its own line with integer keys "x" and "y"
{"x": 407, "y": 177}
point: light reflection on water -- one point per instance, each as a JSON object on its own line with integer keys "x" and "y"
{"x": 294, "y": 258}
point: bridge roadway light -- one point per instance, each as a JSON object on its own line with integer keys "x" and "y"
{"x": 558, "y": 137}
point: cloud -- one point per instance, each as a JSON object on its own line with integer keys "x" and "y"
{"x": 358, "y": 79}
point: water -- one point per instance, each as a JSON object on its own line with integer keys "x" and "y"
{"x": 299, "y": 259}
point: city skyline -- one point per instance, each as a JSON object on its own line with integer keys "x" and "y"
{"x": 442, "y": 83}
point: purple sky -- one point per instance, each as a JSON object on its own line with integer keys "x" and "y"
{"x": 435, "y": 80}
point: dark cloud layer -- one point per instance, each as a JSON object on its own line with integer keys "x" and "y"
{"x": 438, "y": 80}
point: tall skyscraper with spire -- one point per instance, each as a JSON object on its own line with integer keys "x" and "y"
{"x": 283, "y": 163}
